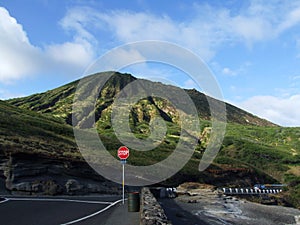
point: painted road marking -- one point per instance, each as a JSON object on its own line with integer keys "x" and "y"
{"x": 5, "y": 200}
{"x": 93, "y": 214}
{"x": 56, "y": 200}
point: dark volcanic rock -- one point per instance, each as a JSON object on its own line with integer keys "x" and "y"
{"x": 34, "y": 175}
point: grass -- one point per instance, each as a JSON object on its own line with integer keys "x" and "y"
{"x": 30, "y": 132}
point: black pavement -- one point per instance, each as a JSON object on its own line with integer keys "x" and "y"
{"x": 57, "y": 211}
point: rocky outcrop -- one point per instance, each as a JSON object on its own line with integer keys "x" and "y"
{"x": 151, "y": 211}
{"x": 32, "y": 175}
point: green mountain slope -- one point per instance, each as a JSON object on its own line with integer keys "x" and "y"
{"x": 271, "y": 150}
{"x": 33, "y": 133}
{"x": 58, "y": 102}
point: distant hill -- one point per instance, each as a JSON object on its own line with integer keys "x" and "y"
{"x": 39, "y": 154}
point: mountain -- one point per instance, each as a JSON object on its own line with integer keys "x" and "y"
{"x": 58, "y": 102}
{"x": 39, "y": 153}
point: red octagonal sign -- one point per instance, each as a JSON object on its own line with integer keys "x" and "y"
{"x": 123, "y": 152}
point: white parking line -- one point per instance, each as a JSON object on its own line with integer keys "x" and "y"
{"x": 5, "y": 200}
{"x": 94, "y": 214}
{"x": 56, "y": 200}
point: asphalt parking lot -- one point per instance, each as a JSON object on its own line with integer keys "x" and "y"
{"x": 97, "y": 210}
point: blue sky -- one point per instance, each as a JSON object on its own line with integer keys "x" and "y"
{"x": 252, "y": 47}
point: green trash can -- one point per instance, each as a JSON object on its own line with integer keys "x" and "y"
{"x": 134, "y": 202}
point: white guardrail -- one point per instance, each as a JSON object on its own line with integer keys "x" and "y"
{"x": 250, "y": 191}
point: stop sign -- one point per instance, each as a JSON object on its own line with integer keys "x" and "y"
{"x": 123, "y": 152}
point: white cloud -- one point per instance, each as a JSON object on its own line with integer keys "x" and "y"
{"x": 232, "y": 72}
{"x": 77, "y": 20}
{"x": 20, "y": 59}
{"x": 292, "y": 18}
{"x": 135, "y": 26}
{"x": 16, "y": 51}
{"x": 70, "y": 54}
{"x": 118, "y": 59}
{"x": 228, "y": 71}
{"x": 204, "y": 33}
{"x": 282, "y": 111}
{"x": 251, "y": 29}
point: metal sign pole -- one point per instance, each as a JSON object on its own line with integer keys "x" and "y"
{"x": 123, "y": 182}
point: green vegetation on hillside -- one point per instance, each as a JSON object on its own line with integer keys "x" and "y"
{"x": 274, "y": 151}
{"x": 33, "y": 133}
